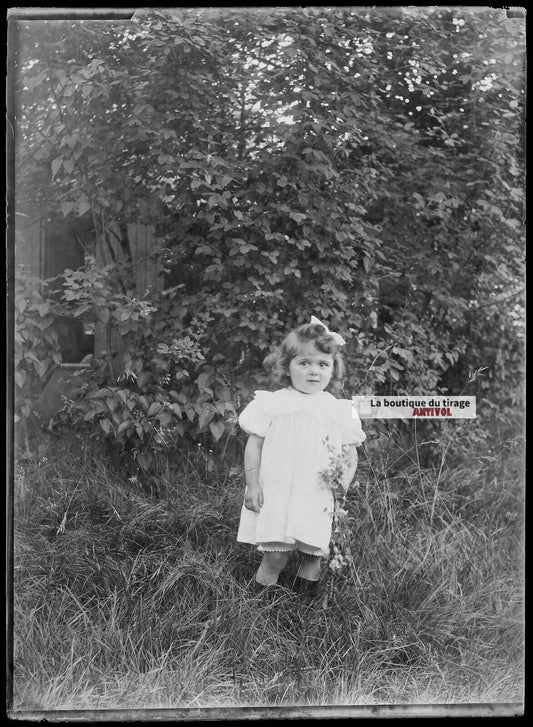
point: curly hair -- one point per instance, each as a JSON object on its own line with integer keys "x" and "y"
{"x": 277, "y": 362}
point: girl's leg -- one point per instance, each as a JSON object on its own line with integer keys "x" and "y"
{"x": 310, "y": 567}
{"x": 270, "y": 568}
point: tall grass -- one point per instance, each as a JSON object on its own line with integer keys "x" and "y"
{"x": 133, "y": 594}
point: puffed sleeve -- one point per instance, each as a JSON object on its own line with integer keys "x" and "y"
{"x": 351, "y": 430}
{"x": 257, "y": 416}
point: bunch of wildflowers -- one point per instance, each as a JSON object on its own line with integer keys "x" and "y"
{"x": 335, "y": 478}
{"x": 335, "y": 474}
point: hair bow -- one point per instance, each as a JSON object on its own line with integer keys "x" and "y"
{"x": 339, "y": 340}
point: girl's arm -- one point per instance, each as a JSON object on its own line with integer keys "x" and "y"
{"x": 253, "y": 497}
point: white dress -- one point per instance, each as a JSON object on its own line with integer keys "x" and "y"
{"x": 297, "y": 429}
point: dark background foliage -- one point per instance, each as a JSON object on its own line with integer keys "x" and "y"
{"x": 362, "y": 165}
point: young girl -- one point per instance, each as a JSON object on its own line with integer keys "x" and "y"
{"x": 293, "y": 433}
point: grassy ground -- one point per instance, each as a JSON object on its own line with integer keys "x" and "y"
{"x": 135, "y": 595}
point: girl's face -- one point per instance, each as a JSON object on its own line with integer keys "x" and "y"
{"x": 310, "y": 370}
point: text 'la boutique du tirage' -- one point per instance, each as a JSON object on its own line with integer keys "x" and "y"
{"x": 412, "y": 407}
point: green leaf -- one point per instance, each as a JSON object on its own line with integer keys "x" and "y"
{"x": 217, "y": 429}
{"x": 297, "y": 216}
{"x": 145, "y": 459}
{"x": 71, "y": 140}
{"x": 202, "y": 382}
{"x": 20, "y": 378}
{"x": 177, "y": 409}
{"x": 206, "y": 415}
{"x": 56, "y": 165}
{"x": 83, "y": 207}
{"x": 155, "y": 408}
{"x": 128, "y": 424}
{"x": 106, "y": 425}
{"x": 67, "y": 207}
{"x": 103, "y": 315}
{"x": 164, "y": 418}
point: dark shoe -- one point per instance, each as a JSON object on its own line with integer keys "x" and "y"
{"x": 258, "y": 587}
{"x": 272, "y": 593}
{"x": 267, "y": 594}
{"x": 285, "y": 580}
{"x": 305, "y": 587}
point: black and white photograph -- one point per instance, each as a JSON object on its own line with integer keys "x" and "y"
{"x": 265, "y": 362}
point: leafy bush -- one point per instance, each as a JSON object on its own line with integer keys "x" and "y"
{"x": 36, "y": 338}
{"x": 149, "y": 392}
{"x": 358, "y": 164}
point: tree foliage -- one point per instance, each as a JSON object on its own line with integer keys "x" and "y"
{"x": 36, "y": 339}
{"x": 362, "y": 165}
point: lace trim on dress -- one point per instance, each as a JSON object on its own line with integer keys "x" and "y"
{"x": 289, "y": 547}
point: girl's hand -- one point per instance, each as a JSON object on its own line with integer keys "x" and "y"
{"x": 253, "y": 498}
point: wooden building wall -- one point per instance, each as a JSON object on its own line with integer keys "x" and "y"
{"x": 46, "y": 247}
{"x": 29, "y": 243}
{"x": 143, "y": 245}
